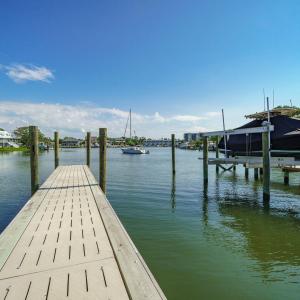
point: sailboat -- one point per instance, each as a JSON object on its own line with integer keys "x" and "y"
{"x": 132, "y": 149}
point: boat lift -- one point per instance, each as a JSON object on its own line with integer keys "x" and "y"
{"x": 264, "y": 162}
{"x": 248, "y": 161}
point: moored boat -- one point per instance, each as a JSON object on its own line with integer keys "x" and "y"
{"x": 285, "y": 139}
{"x": 134, "y": 150}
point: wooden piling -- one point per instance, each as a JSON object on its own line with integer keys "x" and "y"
{"x": 33, "y": 244}
{"x": 266, "y": 165}
{"x": 34, "y": 158}
{"x": 246, "y": 172}
{"x": 88, "y": 149}
{"x": 205, "y": 160}
{"x": 102, "y": 160}
{"x": 286, "y": 177}
{"x": 173, "y": 153}
{"x": 255, "y": 173}
{"x": 56, "y": 149}
{"x": 217, "y": 152}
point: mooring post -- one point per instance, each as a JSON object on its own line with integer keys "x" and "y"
{"x": 255, "y": 173}
{"x": 88, "y": 149}
{"x": 102, "y": 160}
{"x": 205, "y": 160}
{"x": 34, "y": 158}
{"x": 173, "y": 153}
{"x": 266, "y": 165}
{"x": 56, "y": 149}
{"x": 246, "y": 172}
{"x": 286, "y": 177}
{"x": 217, "y": 152}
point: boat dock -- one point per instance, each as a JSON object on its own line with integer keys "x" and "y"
{"x": 68, "y": 243}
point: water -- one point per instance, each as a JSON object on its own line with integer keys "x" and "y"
{"x": 222, "y": 243}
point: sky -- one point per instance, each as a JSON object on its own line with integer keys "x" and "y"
{"x": 75, "y": 66}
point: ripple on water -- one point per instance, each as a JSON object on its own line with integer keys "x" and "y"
{"x": 222, "y": 242}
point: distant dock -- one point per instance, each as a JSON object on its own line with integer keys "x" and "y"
{"x": 68, "y": 243}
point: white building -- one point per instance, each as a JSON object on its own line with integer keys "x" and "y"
{"x": 188, "y": 137}
{"x": 7, "y": 140}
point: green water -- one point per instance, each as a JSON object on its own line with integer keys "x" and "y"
{"x": 219, "y": 243}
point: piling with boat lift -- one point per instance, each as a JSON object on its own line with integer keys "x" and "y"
{"x": 217, "y": 152}
{"x": 266, "y": 164}
{"x": 247, "y": 161}
{"x": 246, "y": 172}
{"x": 286, "y": 177}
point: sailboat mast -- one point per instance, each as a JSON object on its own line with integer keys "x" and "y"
{"x": 130, "y": 121}
{"x": 126, "y": 127}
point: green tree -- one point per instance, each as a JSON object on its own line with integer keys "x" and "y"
{"x": 22, "y": 133}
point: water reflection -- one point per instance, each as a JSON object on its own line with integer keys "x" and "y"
{"x": 220, "y": 235}
{"x": 173, "y": 193}
{"x": 272, "y": 240}
{"x": 205, "y": 205}
{"x": 293, "y": 189}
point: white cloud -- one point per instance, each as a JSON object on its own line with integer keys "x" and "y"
{"x": 158, "y": 117}
{"x": 77, "y": 119}
{"x": 213, "y": 114}
{"x": 22, "y": 73}
{"x": 187, "y": 118}
{"x": 179, "y": 118}
{"x": 197, "y": 129}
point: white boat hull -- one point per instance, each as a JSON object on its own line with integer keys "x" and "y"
{"x": 134, "y": 150}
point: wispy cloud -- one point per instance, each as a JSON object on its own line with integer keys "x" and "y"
{"x": 213, "y": 114}
{"x": 73, "y": 120}
{"x": 179, "y": 118}
{"x": 21, "y": 73}
{"x": 187, "y": 118}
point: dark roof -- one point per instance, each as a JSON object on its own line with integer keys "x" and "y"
{"x": 280, "y": 111}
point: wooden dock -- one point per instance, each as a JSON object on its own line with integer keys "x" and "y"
{"x": 68, "y": 243}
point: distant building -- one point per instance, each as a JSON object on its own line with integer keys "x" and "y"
{"x": 70, "y": 142}
{"x": 188, "y": 137}
{"x": 117, "y": 141}
{"x": 94, "y": 142}
{"x": 158, "y": 143}
{"x": 7, "y": 140}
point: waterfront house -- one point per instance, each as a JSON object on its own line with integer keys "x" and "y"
{"x": 7, "y": 140}
{"x": 70, "y": 142}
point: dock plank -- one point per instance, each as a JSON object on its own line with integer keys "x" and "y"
{"x": 67, "y": 242}
{"x": 139, "y": 280}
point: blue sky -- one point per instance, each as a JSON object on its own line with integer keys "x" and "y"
{"x": 175, "y": 63}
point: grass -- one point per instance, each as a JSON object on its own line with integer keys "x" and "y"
{"x": 11, "y": 149}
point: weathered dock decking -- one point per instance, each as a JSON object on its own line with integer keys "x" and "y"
{"x": 68, "y": 243}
